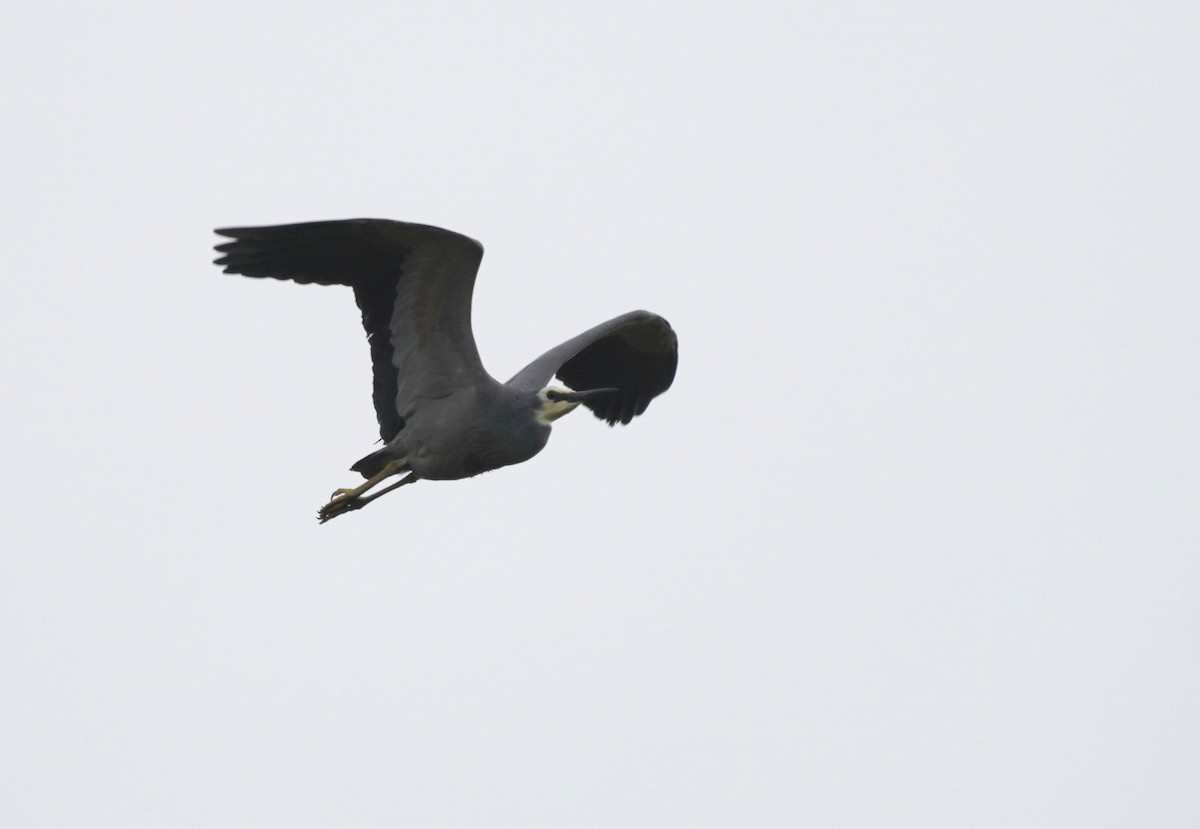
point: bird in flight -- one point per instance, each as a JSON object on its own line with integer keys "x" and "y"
{"x": 441, "y": 415}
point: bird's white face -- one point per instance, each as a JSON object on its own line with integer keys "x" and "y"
{"x": 551, "y": 410}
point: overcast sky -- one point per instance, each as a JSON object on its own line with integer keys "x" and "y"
{"x": 912, "y": 542}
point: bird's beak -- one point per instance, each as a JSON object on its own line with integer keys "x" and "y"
{"x": 559, "y": 403}
{"x": 579, "y": 396}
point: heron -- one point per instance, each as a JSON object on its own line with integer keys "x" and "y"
{"x": 441, "y": 415}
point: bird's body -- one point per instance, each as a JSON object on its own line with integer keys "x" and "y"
{"x": 441, "y": 415}
{"x": 444, "y": 440}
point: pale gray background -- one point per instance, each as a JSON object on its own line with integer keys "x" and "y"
{"x": 912, "y": 542}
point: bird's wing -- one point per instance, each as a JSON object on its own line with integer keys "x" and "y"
{"x": 635, "y": 353}
{"x": 413, "y": 284}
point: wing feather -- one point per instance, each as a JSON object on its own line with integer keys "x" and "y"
{"x": 412, "y": 282}
{"x": 636, "y": 353}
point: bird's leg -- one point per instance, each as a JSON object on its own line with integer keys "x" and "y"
{"x": 348, "y": 504}
{"x": 341, "y": 496}
{"x": 407, "y": 479}
{"x": 392, "y": 468}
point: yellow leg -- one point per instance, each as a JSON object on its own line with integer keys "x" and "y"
{"x": 345, "y": 500}
{"x": 392, "y": 468}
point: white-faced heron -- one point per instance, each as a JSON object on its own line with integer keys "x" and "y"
{"x": 441, "y": 415}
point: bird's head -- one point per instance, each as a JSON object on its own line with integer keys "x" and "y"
{"x": 554, "y": 402}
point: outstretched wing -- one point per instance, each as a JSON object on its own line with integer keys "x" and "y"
{"x": 635, "y": 353}
{"x": 413, "y": 284}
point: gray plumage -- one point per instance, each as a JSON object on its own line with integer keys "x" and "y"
{"x": 441, "y": 415}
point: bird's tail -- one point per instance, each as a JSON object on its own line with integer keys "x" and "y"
{"x": 373, "y": 464}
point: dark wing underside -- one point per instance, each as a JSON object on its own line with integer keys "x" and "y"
{"x": 413, "y": 284}
{"x": 635, "y": 353}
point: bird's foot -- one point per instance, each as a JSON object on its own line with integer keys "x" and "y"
{"x": 342, "y": 501}
{"x": 348, "y": 500}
